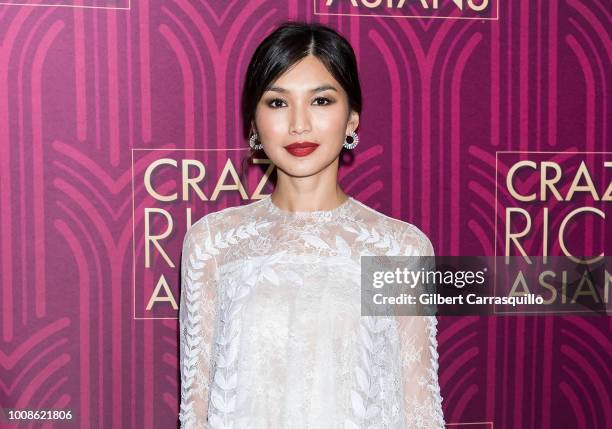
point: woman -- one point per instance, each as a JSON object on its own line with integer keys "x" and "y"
{"x": 271, "y": 334}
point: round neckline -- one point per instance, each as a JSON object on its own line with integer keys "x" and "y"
{"x": 273, "y": 208}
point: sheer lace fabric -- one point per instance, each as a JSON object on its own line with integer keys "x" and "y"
{"x": 271, "y": 335}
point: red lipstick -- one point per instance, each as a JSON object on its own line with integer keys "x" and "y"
{"x": 301, "y": 148}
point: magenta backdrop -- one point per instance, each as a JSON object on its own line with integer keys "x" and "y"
{"x": 94, "y": 93}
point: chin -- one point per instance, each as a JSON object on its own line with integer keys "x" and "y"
{"x": 291, "y": 164}
{"x": 300, "y": 172}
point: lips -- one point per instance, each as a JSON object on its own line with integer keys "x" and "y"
{"x": 302, "y": 148}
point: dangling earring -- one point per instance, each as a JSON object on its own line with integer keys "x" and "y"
{"x": 351, "y": 141}
{"x": 253, "y": 141}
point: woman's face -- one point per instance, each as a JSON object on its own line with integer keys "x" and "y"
{"x": 305, "y": 104}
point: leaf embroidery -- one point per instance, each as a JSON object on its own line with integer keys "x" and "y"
{"x": 375, "y": 397}
{"x": 222, "y": 398}
{"x": 342, "y": 246}
{"x": 379, "y": 240}
{"x": 315, "y": 241}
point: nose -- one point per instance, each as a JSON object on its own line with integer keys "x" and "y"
{"x": 300, "y": 120}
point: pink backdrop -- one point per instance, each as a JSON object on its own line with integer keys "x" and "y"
{"x": 102, "y": 102}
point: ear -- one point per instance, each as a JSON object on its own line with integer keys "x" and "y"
{"x": 353, "y": 122}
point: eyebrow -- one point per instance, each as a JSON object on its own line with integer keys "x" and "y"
{"x": 312, "y": 91}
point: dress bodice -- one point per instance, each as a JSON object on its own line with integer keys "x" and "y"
{"x": 271, "y": 332}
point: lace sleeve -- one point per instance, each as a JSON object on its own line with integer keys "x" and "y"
{"x": 419, "y": 361}
{"x": 197, "y": 313}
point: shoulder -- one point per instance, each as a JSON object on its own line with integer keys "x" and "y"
{"x": 411, "y": 239}
{"x": 414, "y": 238}
{"x": 225, "y": 219}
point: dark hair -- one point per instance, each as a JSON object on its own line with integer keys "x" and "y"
{"x": 284, "y": 47}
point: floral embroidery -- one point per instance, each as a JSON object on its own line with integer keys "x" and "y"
{"x": 271, "y": 331}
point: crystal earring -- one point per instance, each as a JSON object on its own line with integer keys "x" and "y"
{"x": 253, "y": 142}
{"x": 351, "y": 141}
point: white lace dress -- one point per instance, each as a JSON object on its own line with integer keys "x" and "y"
{"x": 271, "y": 335}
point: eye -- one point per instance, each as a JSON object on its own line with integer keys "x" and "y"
{"x": 319, "y": 101}
{"x": 274, "y": 100}
{"x": 326, "y": 100}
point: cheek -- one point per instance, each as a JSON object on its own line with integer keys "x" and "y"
{"x": 331, "y": 132}
{"x": 329, "y": 121}
{"x": 270, "y": 124}
{"x": 332, "y": 120}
